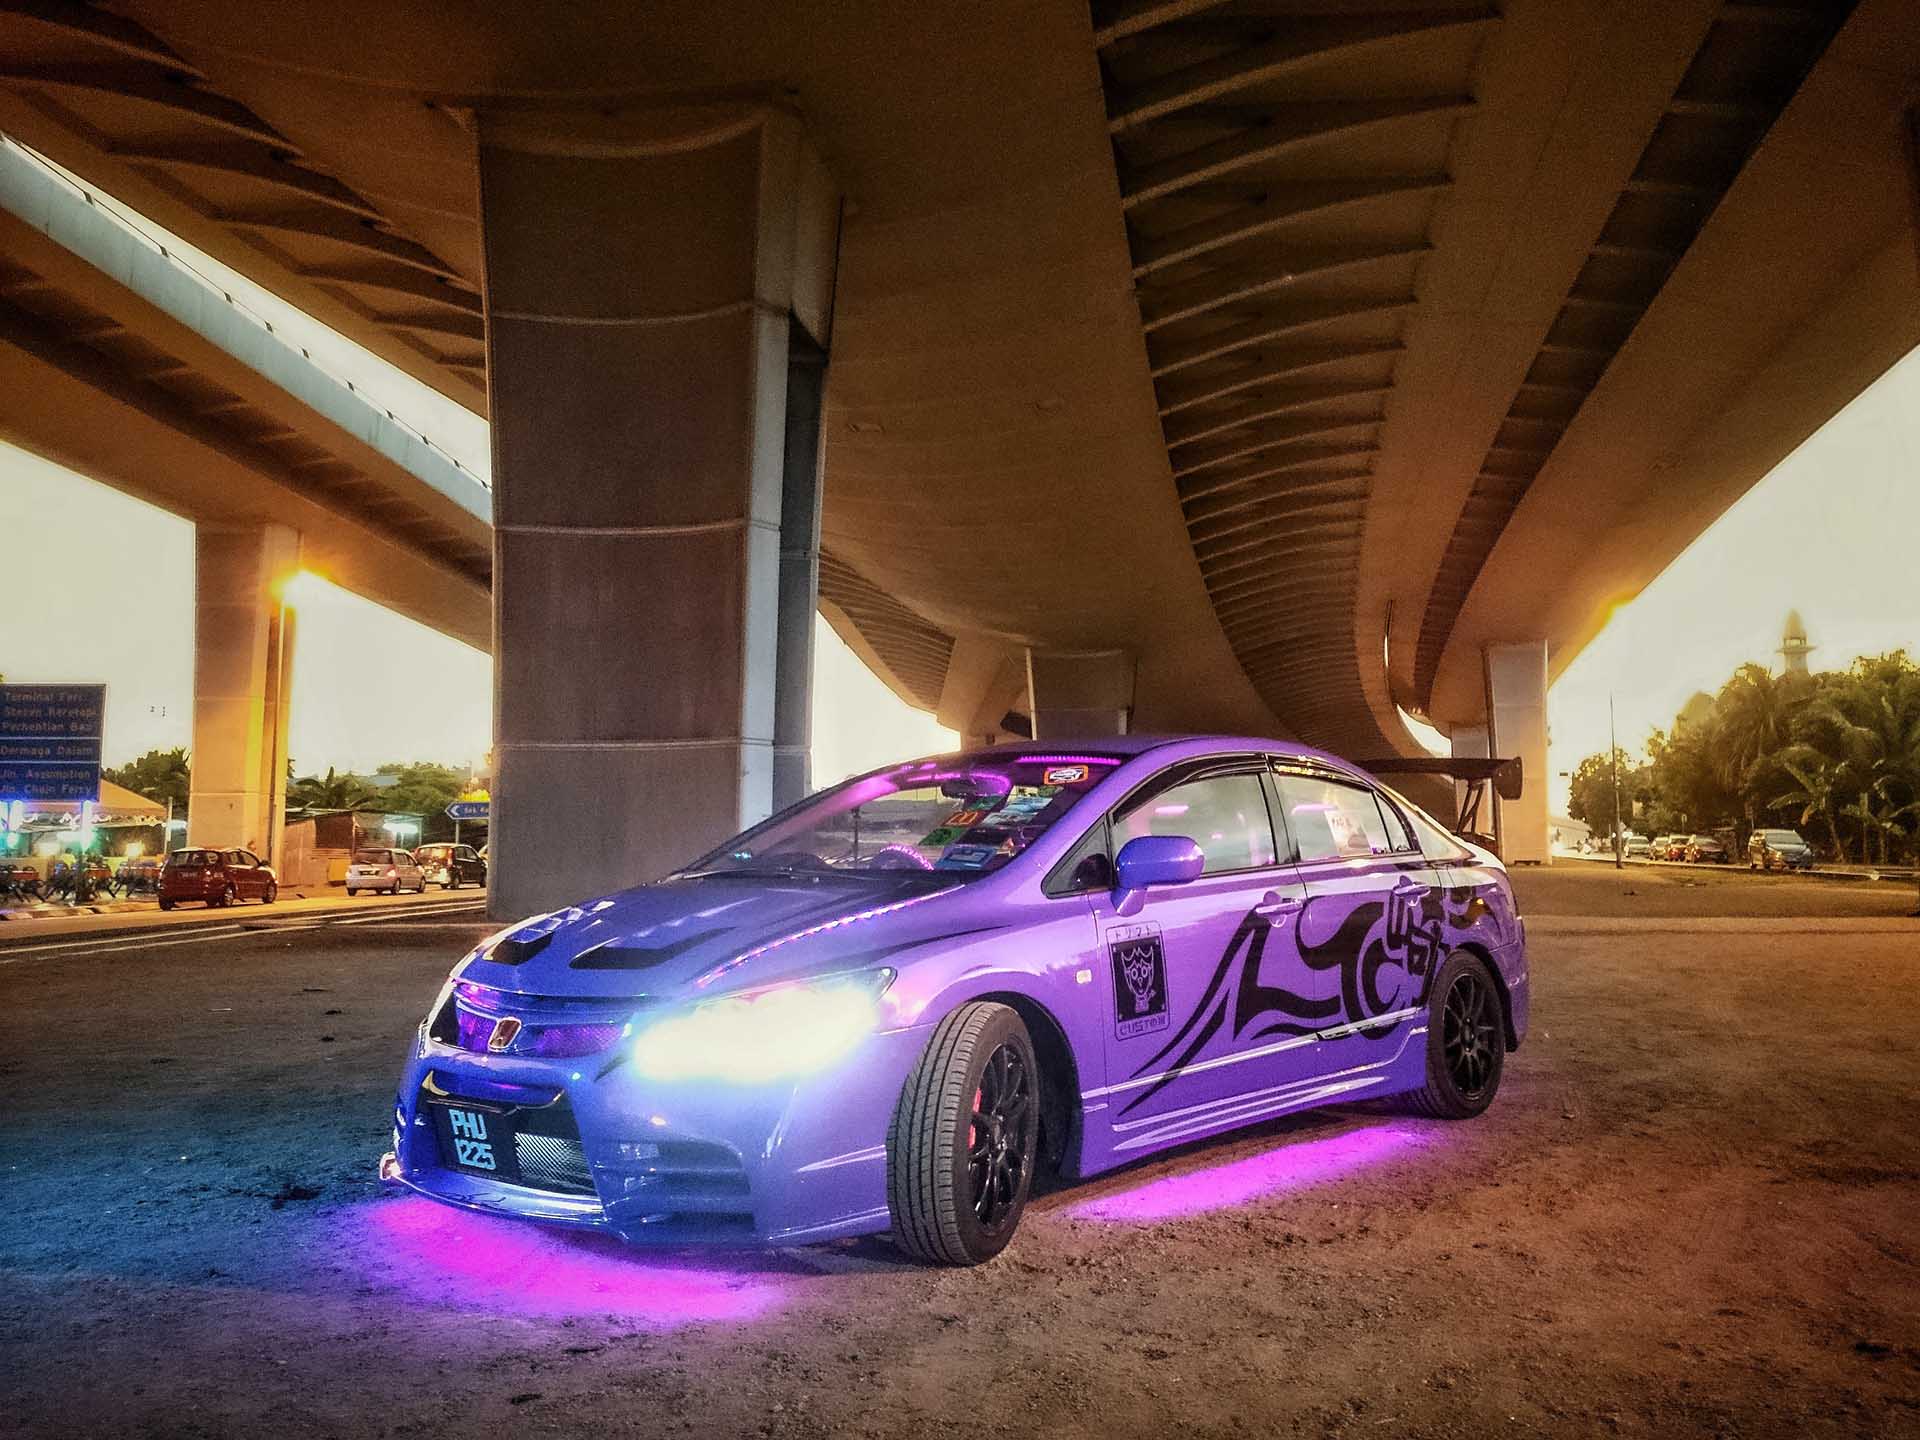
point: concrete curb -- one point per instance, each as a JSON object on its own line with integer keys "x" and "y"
{"x": 1888, "y": 876}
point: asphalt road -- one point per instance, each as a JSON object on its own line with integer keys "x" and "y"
{"x": 1694, "y": 1210}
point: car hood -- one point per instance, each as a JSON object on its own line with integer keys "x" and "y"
{"x": 706, "y": 935}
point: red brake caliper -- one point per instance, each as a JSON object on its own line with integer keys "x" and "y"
{"x": 973, "y": 1131}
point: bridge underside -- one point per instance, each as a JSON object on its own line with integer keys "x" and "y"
{"x": 1296, "y": 352}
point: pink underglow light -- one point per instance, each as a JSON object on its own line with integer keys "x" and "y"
{"x": 455, "y": 1259}
{"x": 1293, "y": 1165}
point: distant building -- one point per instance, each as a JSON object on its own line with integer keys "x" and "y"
{"x": 1794, "y": 648}
{"x": 1695, "y": 713}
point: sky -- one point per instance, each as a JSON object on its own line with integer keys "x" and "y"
{"x": 1831, "y": 532}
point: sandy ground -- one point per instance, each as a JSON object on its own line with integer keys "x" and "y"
{"x": 1694, "y": 1210}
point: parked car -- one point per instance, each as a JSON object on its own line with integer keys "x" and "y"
{"x": 451, "y": 866}
{"x": 1638, "y": 847}
{"x": 384, "y": 870}
{"x": 1706, "y": 850}
{"x": 1661, "y": 847}
{"x": 1778, "y": 850}
{"x": 216, "y": 877}
{"x": 1074, "y": 959}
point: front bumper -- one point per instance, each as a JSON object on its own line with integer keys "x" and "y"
{"x": 686, "y": 1163}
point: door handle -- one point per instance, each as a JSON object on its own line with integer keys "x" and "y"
{"x": 1412, "y": 889}
{"x": 1275, "y": 906}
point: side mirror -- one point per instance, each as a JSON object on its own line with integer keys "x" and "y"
{"x": 1157, "y": 860}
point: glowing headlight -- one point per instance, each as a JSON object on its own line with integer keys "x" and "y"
{"x": 763, "y": 1034}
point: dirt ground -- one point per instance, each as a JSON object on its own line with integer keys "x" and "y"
{"x": 1694, "y": 1210}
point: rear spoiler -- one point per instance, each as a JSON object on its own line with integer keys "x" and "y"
{"x": 1503, "y": 776}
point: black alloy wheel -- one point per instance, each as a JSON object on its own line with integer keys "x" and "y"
{"x": 961, "y": 1148}
{"x": 999, "y": 1135}
{"x": 1470, "y": 1018}
{"x": 1466, "y": 1040}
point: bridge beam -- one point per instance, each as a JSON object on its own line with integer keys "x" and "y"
{"x": 648, "y": 275}
{"x": 242, "y": 681}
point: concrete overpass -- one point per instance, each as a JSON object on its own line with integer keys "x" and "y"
{"x": 1261, "y": 365}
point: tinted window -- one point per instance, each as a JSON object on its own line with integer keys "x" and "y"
{"x": 373, "y": 857}
{"x": 1432, "y": 838}
{"x": 1226, "y": 815}
{"x": 194, "y": 857}
{"x": 1331, "y": 820}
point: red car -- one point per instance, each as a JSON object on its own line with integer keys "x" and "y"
{"x": 216, "y": 877}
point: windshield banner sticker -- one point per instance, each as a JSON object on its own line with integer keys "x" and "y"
{"x": 1139, "y": 980}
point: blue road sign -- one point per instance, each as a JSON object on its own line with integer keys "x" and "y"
{"x": 50, "y": 741}
{"x": 469, "y": 810}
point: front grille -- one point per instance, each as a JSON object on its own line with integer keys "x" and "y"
{"x": 551, "y": 1026}
{"x": 553, "y": 1162}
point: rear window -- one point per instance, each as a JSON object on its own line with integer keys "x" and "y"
{"x": 373, "y": 857}
{"x": 194, "y": 857}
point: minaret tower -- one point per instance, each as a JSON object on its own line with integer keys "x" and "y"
{"x": 1794, "y": 648}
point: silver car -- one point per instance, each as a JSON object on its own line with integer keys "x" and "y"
{"x": 387, "y": 870}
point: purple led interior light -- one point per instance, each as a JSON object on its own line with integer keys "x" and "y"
{"x": 1294, "y": 1165}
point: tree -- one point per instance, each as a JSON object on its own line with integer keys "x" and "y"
{"x": 1592, "y": 799}
{"x": 1752, "y": 721}
{"x": 333, "y": 792}
{"x": 159, "y": 775}
{"x": 423, "y": 789}
{"x": 1818, "y": 793}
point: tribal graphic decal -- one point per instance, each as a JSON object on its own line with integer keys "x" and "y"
{"x": 1405, "y": 932}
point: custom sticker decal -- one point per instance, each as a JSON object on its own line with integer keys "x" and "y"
{"x": 941, "y": 838}
{"x": 1063, "y": 775}
{"x": 967, "y": 857}
{"x": 1139, "y": 980}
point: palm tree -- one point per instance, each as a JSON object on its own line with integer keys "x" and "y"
{"x": 334, "y": 792}
{"x": 1819, "y": 792}
{"x": 1752, "y": 717}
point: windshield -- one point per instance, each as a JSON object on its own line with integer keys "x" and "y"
{"x": 957, "y": 817}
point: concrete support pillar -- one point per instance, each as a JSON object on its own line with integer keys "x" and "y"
{"x": 799, "y": 575}
{"x": 242, "y": 676}
{"x": 644, "y": 274}
{"x": 1469, "y": 742}
{"x": 1084, "y": 693}
{"x": 1516, "y": 677}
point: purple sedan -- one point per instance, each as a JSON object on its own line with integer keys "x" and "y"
{"x": 885, "y": 1007}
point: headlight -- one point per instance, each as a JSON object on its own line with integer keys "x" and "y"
{"x": 764, "y": 1034}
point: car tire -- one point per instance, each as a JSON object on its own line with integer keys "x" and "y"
{"x": 1466, "y": 1041}
{"x": 166, "y": 904}
{"x": 227, "y": 897}
{"x": 271, "y": 894}
{"x": 956, "y": 1196}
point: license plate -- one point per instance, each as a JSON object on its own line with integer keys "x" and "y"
{"x": 477, "y": 1141}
